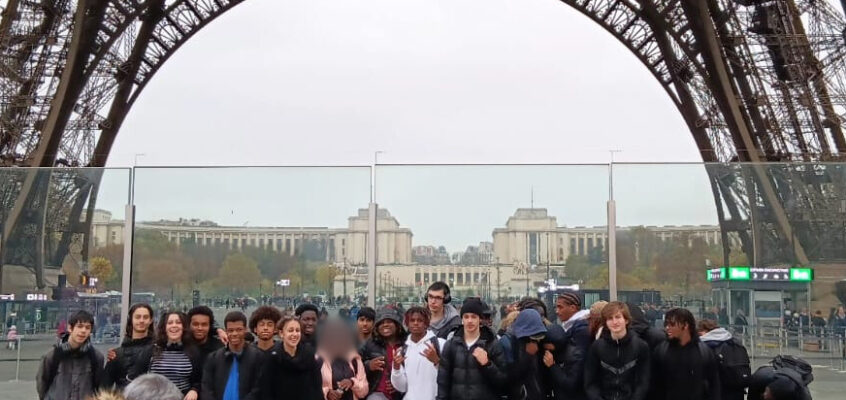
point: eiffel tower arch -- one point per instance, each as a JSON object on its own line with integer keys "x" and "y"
{"x": 755, "y": 81}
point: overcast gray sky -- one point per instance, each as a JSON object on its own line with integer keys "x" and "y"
{"x": 293, "y": 82}
{"x": 328, "y": 82}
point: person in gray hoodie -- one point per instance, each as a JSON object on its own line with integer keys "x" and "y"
{"x": 445, "y": 319}
{"x": 732, "y": 357}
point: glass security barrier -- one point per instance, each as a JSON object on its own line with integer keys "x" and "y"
{"x": 235, "y": 238}
{"x": 499, "y": 232}
{"x": 61, "y": 250}
{"x": 757, "y": 248}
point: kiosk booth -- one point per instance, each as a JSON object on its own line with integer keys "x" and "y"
{"x": 760, "y": 296}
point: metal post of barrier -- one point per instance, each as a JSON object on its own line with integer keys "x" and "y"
{"x": 841, "y": 355}
{"x": 18, "y": 362}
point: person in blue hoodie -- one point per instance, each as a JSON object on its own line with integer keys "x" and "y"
{"x": 523, "y": 347}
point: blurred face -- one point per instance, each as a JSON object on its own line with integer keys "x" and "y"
{"x": 79, "y": 333}
{"x": 336, "y": 340}
{"x": 471, "y": 322}
{"x": 265, "y": 329}
{"x": 435, "y": 300}
{"x": 417, "y": 325}
{"x": 617, "y": 324}
{"x": 387, "y": 328}
{"x": 365, "y": 326}
{"x": 200, "y": 325}
{"x": 236, "y": 330}
{"x": 141, "y": 320}
{"x": 674, "y": 330}
{"x": 173, "y": 328}
{"x": 291, "y": 333}
{"x": 309, "y": 321}
{"x": 564, "y": 310}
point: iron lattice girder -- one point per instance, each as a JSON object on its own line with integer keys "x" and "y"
{"x": 774, "y": 116}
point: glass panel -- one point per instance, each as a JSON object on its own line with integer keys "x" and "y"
{"x": 757, "y": 247}
{"x": 288, "y": 235}
{"x": 61, "y": 251}
{"x": 514, "y": 224}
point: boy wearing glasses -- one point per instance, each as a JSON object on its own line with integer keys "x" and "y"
{"x": 445, "y": 319}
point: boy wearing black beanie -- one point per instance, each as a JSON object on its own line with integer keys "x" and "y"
{"x": 472, "y": 364}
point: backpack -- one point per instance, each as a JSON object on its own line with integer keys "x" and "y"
{"x": 797, "y": 364}
{"x": 733, "y": 360}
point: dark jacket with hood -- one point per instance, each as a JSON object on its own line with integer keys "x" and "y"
{"x": 376, "y": 347}
{"x": 617, "y": 369}
{"x": 125, "y": 357}
{"x": 525, "y": 377}
{"x": 292, "y": 378}
{"x": 460, "y": 377}
{"x": 689, "y": 372}
{"x": 68, "y": 374}
{"x": 449, "y": 323}
{"x": 719, "y": 340}
{"x": 568, "y": 371}
{"x": 648, "y": 333}
{"x": 218, "y": 365}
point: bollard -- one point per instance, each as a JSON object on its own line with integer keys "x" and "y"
{"x": 18, "y": 363}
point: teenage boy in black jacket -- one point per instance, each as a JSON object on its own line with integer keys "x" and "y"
{"x": 617, "y": 365}
{"x": 684, "y": 367}
{"x": 472, "y": 363}
{"x": 236, "y": 369}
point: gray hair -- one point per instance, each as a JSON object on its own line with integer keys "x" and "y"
{"x": 152, "y": 387}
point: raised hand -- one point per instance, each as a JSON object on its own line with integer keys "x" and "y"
{"x": 481, "y": 356}
{"x": 431, "y": 354}
{"x": 398, "y": 359}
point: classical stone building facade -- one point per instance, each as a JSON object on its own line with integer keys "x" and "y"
{"x": 534, "y": 237}
{"x": 336, "y": 244}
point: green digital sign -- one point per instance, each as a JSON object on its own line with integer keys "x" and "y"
{"x": 783, "y": 274}
{"x": 801, "y": 274}
{"x": 717, "y": 274}
{"x": 739, "y": 274}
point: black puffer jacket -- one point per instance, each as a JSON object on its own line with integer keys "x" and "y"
{"x": 460, "y": 377}
{"x": 126, "y": 356}
{"x": 617, "y": 369}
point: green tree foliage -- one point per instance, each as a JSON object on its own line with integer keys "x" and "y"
{"x": 240, "y": 274}
{"x": 325, "y": 277}
{"x": 101, "y": 268}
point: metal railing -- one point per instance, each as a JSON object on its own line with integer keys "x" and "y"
{"x": 818, "y": 347}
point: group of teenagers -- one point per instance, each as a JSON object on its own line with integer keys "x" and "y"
{"x": 431, "y": 352}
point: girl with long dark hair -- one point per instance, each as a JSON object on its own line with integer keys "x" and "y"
{"x": 292, "y": 371}
{"x": 138, "y": 338}
{"x": 173, "y": 356}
